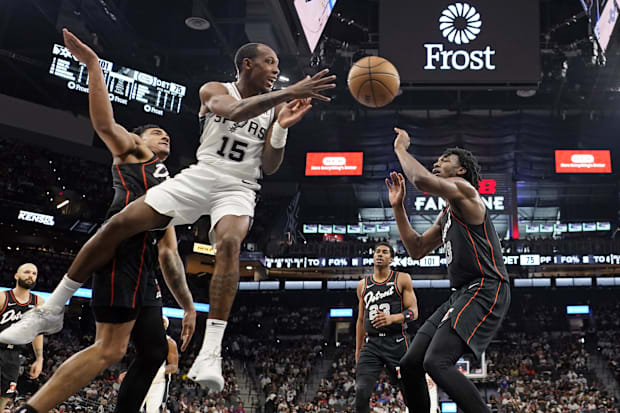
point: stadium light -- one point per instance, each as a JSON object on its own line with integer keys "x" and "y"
{"x": 62, "y": 204}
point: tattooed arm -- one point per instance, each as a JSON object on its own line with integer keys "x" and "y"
{"x": 174, "y": 275}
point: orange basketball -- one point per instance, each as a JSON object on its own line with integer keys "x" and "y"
{"x": 373, "y": 81}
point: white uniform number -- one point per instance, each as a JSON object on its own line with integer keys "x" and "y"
{"x": 234, "y": 152}
{"x": 375, "y": 308}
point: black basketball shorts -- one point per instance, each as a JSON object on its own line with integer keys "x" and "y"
{"x": 128, "y": 282}
{"x": 475, "y": 312}
{"x": 9, "y": 371}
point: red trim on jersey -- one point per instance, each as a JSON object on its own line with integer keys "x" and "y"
{"x": 17, "y": 302}
{"x": 479, "y": 266}
{"x": 6, "y": 301}
{"x": 491, "y": 247}
{"x": 133, "y": 302}
{"x": 120, "y": 175}
{"x": 146, "y": 187}
{"x": 384, "y": 282}
{"x": 112, "y": 282}
{"x": 123, "y": 183}
{"x": 398, "y": 292}
{"x": 498, "y": 286}
{"x": 402, "y": 304}
{"x": 490, "y": 311}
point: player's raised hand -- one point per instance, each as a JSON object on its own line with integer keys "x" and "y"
{"x": 402, "y": 140}
{"x": 396, "y": 188}
{"x": 311, "y": 87}
{"x": 293, "y": 111}
{"x": 78, "y": 49}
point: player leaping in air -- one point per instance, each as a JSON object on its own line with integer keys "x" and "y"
{"x": 244, "y": 127}
{"x": 469, "y": 319}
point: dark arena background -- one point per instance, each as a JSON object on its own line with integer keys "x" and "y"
{"x": 535, "y": 95}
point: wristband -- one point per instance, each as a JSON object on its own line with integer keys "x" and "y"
{"x": 408, "y": 314}
{"x": 278, "y": 136}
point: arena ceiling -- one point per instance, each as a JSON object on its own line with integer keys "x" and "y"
{"x": 151, "y": 35}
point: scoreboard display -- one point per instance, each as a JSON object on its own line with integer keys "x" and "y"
{"x": 125, "y": 85}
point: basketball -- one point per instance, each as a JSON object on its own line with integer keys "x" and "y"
{"x": 373, "y": 81}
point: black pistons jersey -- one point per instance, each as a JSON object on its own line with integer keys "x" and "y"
{"x": 472, "y": 251}
{"x": 385, "y": 297}
{"x": 13, "y": 310}
{"x": 132, "y": 180}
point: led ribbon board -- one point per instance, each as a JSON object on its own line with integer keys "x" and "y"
{"x": 125, "y": 85}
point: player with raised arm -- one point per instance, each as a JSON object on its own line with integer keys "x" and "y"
{"x": 13, "y": 304}
{"x": 469, "y": 319}
{"x": 126, "y": 298}
{"x": 244, "y": 126}
{"x": 386, "y": 304}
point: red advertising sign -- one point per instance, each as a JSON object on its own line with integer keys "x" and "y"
{"x": 580, "y": 161}
{"x": 334, "y": 163}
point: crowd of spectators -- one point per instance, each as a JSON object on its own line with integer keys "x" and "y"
{"x": 336, "y": 392}
{"x": 607, "y": 331}
{"x": 546, "y": 372}
{"x": 36, "y": 176}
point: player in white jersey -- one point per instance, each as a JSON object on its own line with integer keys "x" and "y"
{"x": 155, "y": 400}
{"x": 244, "y": 130}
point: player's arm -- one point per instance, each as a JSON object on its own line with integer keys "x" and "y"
{"x": 37, "y": 347}
{"x": 215, "y": 98}
{"x": 172, "y": 361}
{"x": 359, "y": 326}
{"x": 417, "y": 245}
{"x": 452, "y": 189}
{"x": 287, "y": 115}
{"x": 174, "y": 276}
{"x": 118, "y": 140}
{"x": 410, "y": 301}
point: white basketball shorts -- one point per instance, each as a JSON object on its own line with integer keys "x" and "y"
{"x": 203, "y": 190}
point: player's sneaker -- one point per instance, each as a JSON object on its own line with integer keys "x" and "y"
{"x": 39, "y": 320}
{"x": 207, "y": 371}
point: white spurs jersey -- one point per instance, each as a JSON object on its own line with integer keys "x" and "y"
{"x": 234, "y": 148}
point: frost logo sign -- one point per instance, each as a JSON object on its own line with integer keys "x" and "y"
{"x": 459, "y": 24}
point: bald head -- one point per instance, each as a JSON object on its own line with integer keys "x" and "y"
{"x": 250, "y": 51}
{"x": 26, "y": 275}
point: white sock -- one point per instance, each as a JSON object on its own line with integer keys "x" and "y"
{"x": 213, "y": 336}
{"x": 63, "y": 291}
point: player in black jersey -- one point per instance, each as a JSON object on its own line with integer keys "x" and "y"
{"x": 126, "y": 299}
{"x": 467, "y": 322}
{"x": 13, "y": 303}
{"x": 386, "y": 303}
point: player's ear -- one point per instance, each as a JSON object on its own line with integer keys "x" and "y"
{"x": 461, "y": 171}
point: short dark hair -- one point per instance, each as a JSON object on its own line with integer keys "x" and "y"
{"x": 469, "y": 162}
{"x": 378, "y": 244}
{"x": 139, "y": 130}
{"x": 247, "y": 51}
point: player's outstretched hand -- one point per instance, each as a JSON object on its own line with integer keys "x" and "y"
{"x": 311, "y": 87}
{"x": 188, "y": 325}
{"x": 396, "y": 188}
{"x": 78, "y": 49}
{"x": 402, "y": 139}
{"x": 293, "y": 111}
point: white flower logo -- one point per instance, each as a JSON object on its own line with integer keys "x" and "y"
{"x": 460, "y": 23}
